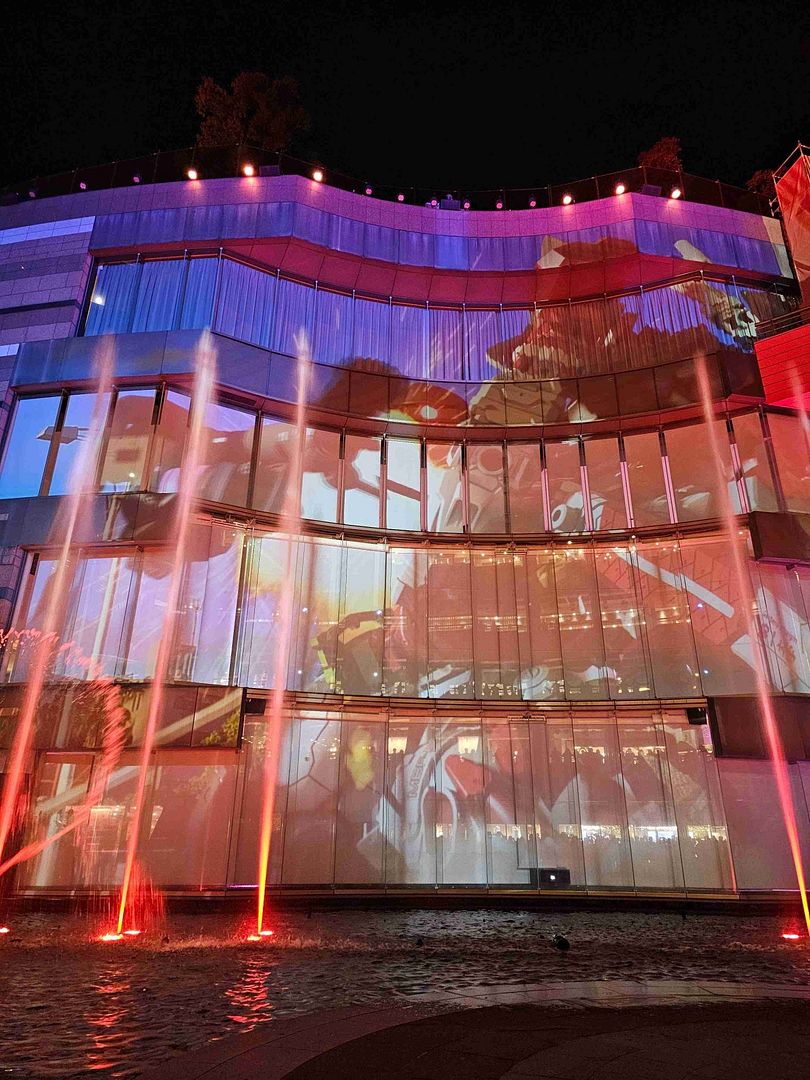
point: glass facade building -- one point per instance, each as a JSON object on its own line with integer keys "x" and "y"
{"x": 519, "y": 656}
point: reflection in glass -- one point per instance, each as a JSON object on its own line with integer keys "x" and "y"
{"x": 27, "y": 446}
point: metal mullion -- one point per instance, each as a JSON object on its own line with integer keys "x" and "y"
{"x": 53, "y": 449}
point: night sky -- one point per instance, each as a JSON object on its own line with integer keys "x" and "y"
{"x": 447, "y": 95}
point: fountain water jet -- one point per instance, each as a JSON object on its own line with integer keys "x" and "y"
{"x": 748, "y": 602}
{"x": 204, "y": 376}
{"x": 75, "y": 503}
{"x": 289, "y": 525}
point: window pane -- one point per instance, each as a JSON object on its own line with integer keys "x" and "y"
{"x": 403, "y": 484}
{"x": 580, "y": 624}
{"x": 319, "y": 482}
{"x": 754, "y": 462}
{"x": 694, "y": 469}
{"x": 359, "y": 840}
{"x": 27, "y": 446}
{"x": 539, "y": 626}
{"x": 622, "y": 624}
{"x": 565, "y": 486}
{"x": 198, "y": 301}
{"x": 75, "y": 429}
{"x": 128, "y": 441}
{"x": 605, "y": 484}
{"x": 556, "y": 794}
{"x": 170, "y": 440}
{"x": 228, "y": 447}
{"x": 276, "y": 469}
{"x": 790, "y": 449}
{"x": 486, "y": 488}
{"x": 360, "y": 632}
{"x": 495, "y": 625}
{"x": 604, "y": 822}
{"x": 113, "y": 298}
{"x": 646, "y": 478}
{"x": 158, "y": 300}
{"x": 410, "y": 819}
{"x": 449, "y": 624}
{"x": 525, "y": 487}
{"x": 361, "y": 480}
{"x": 445, "y": 512}
{"x": 406, "y": 623}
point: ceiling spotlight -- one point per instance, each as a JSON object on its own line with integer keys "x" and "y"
{"x": 317, "y": 175}
{"x": 248, "y": 170}
{"x": 675, "y": 193}
{"x": 400, "y": 197}
{"x": 567, "y": 199}
{"x": 466, "y": 204}
{"x": 532, "y": 202}
{"x": 82, "y": 186}
{"x": 369, "y": 190}
{"x": 136, "y": 179}
{"x": 619, "y": 189}
{"x": 192, "y": 174}
{"x": 499, "y": 204}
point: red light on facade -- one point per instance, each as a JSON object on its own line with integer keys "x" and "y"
{"x": 136, "y": 179}
{"x": 675, "y": 193}
{"x": 192, "y": 174}
{"x": 248, "y": 170}
{"x": 499, "y": 204}
{"x": 532, "y": 202}
{"x": 791, "y": 935}
{"x": 466, "y": 204}
{"x": 369, "y": 190}
{"x": 317, "y": 175}
{"x": 82, "y": 186}
{"x": 567, "y": 199}
{"x": 400, "y": 197}
{"x": 619, "y": 189}
{"x": 434, "y": 202}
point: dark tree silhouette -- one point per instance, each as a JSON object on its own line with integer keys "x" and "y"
{"x": 665, "y": 154}
{"x": 762, "y": 183}
{"x": 257, "y": 109}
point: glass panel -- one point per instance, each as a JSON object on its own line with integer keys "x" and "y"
{"x": 111, "y": 305}
{"x": 622, "y": 625}
{"x": 445, "y": 509}
{"x": 97, "y": 621}
{"x": 460, "y": 829}
{"x": 170, "y": 440}
{"x": 186, "y": 842}
{"x": 319, "y": 483}
{"x": 604, "y": 824}
{"x": 495, "y": 626}
{"x": 525, "y": 487}
{"x": 405, "y": 665}
{"x": 487, "y": 511}
{"x": 359, "y": 850}
{"x": 790, "y": 449}
{"x": 311, "y": 801}
{"x": 403, "y": 484}
{"x": 217, "y": 717}
{"x": 538, "y": 626}
{"x": 59, "y": 792}
{"x": 605, "y": 484}
{"x": 410, "y": 790}
{"x": 27, "y": 446}
{"x": 228, "y": 448}
{"x": 128, "y": 442}
{"x": 565, "y": 486}
{"x": 198, "y": 301}
{"x": 580, "y": 624}
{"x": 360, "y": 633}
{"x": 146, "y": 623}
{"x": 276, "y": 468}
{"x": 694, "y": 470}
{"x": 651, "y": 819}
{"x": 511, "y": 846}
{"x": 646, "y": 479}
{"x": 361, "y": 480}
{"x": 449, "y": 628}
{"x": 159, "y": 290}
{"x": 754, "y": 464}
{"x": 75, "y": 429}
{"x": 556, "y": 794}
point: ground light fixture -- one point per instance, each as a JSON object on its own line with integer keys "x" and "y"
{"x": 248, "y": 170}
{"x": 369, "y": 189}
{"x": 192, "y": 174}
{"x": 400, "y": 197}
{"x": 567, "y": 199}
{"x": 5, "y": 929}
{"x": 791, "y": 935}
{"x": 499, "y": 204}
{"x": 317, "y": 175}
{"x": 261, "y": 936}
{"x": 466, "y": 204}
{"x": 619, "y": 189}
{"x": 136, "y": 179}
{"x": 532, "y": 202}
{"x": 675, "y": 193}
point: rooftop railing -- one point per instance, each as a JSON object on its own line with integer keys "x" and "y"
{"x": 218, "y": 162}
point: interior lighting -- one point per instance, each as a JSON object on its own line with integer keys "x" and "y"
{"x": 248, "y": 170}
{"x": 567, "y": 199}
{"x": 675, "y": 193}
{"x": 317, "y": 175}
{"x": 619, "y": 189}
{"x": 192, "y": 174}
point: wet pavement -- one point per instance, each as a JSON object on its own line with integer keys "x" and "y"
{"x": 72, "y": 1005}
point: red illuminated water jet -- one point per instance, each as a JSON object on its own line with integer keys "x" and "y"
{"x": 289, "y": 524}
{"x": 748, "y": 605}
{"x": 189, "y": 478}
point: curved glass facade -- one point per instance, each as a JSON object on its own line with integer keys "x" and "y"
{"x": 513, "y": 603}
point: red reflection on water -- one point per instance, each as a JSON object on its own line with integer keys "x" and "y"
{"x": 250, "y": 996}
{"x": 106, "y": 1022}
{"x": 5, "y": 930}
